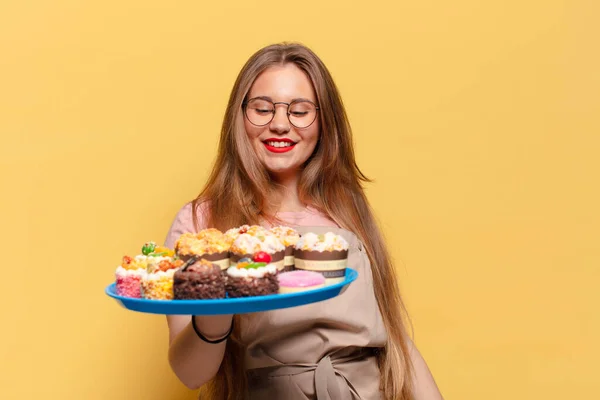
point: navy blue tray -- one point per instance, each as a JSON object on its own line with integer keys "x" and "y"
{"x": 233, "y": 306}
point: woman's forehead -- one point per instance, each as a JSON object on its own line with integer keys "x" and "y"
{"x": 283, "y": 83}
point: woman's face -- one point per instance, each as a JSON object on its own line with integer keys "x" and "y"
{"x": 282, "y": 147}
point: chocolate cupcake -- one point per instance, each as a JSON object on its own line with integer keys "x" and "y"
{"x": 326, "y": 253}
{"x": 198, "y": 279}
{"x": 209, "y": 244}
{"x": 252, "y": 279}
{"x": 246, "y": 245}
{"x": 289, "y": 237}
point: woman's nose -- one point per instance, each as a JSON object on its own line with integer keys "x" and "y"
{"x": 280, "y": 122}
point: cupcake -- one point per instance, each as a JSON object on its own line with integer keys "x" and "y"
{"x": 129, "y": 276}
{"x": 325, "y": 253}
{"x": 233, "y": 233}
{"x": 131, "y": 271}
{"x": 246, "y": 245}
{"x": 198, "y": 279}
{"x": 300, "y": 281}
{"x": 250, "y": 278}
{"x": 289, "y": 237}
{"x": 157, "y": 284}
{"x": 209, "y": 244}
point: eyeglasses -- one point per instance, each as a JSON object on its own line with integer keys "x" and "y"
{"x": 300, "y": 113}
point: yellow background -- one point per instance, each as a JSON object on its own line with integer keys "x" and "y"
{"x": 478, "y": 120}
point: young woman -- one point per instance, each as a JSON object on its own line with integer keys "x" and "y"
{"x": 286, "y": 158}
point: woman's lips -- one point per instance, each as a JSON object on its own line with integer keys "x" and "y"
{"x": 279, "y": 146}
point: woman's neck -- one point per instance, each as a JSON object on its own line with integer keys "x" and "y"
{"x": 286, "y": 192}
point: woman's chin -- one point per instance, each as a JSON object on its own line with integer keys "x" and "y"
{"x": 279, "y": 172}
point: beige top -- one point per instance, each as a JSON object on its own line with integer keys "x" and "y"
{"x": 318, "y": 351}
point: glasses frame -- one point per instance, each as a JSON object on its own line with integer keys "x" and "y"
{"x": 245, "y": 108}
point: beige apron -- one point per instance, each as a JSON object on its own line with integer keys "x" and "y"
{"x": 322, "y": 350}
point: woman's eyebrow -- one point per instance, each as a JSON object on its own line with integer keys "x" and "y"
{"x": 267, "y": 98}
{"x": 301, "y": 99}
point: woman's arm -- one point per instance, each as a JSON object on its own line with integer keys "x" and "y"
{"x": 424, "y": 384}
{"x": 193, "y": 360}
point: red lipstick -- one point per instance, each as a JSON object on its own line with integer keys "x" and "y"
{"x": 289, "y": 145}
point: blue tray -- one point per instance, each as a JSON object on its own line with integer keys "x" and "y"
{"x": 233, "y": 306}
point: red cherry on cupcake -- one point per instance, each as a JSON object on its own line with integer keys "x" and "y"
{"x": 261, "y": 256}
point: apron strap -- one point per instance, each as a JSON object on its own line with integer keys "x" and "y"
{"x": 327, "y": 385}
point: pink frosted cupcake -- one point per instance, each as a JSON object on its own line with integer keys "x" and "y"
{"x": 300, "y": 281}
{"x": 289, "y": 237}
{"x": 129, "y": 274}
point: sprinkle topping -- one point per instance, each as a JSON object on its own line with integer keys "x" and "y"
{"x": 251, "y": 265}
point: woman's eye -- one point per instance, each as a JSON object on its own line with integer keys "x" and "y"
{"x": 299, "y": 113}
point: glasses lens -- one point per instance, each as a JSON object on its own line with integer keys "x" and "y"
{"x": 302, "y": 113}
{"x": 259, "y": 112}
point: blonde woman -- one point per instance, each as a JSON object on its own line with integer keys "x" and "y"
{"x": 285, "y": 157}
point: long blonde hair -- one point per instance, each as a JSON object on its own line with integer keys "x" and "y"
{"x": 330, "y": 181}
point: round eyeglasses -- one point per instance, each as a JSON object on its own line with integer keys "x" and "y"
{"x": 260, "y": 112}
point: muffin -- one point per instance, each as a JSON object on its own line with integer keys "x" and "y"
{"x": 249, "y": 278}
{"x": 209, "y": 244}
{"x": 289, "y": 237}
{"x": 157, "y": 284}
{"x": 198, "y": 279}
{"x": 246, "y": 245}
{"x": 325, "y": 253}
{"x": 300, "y": 281}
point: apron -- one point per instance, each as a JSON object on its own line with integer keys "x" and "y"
{"x": 324, "y": 350}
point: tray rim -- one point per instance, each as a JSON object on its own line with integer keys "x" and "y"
{"x": 321, "y": 294}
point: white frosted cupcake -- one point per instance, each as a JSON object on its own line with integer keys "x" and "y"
{"x": 325, "y": 253}
{"x": 233, "y": 233}
{"x": 289, "y": 237}
{"x": 157, "y": 284}
{"x": 246, "y": 246}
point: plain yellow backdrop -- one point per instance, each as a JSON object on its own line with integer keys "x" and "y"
{"x": 478, "y": 121}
